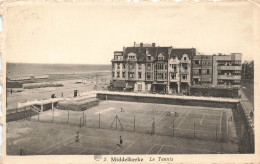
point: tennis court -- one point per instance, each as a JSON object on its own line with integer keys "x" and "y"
{"x": 145, "y": 128}
{"x": 204, "y": 123}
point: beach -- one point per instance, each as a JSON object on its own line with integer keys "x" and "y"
{"x": 81, "y": 81}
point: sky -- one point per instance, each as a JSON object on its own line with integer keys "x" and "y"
{"x": 89, "y": 33}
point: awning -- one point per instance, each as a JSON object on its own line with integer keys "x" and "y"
{"x": 119, "y": 84}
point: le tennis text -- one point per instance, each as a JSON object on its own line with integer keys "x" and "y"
{"x": 140, "y": 159}
{"x": 161, "y": 159}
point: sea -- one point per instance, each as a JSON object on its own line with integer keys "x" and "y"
{"x": 29, "y": 69}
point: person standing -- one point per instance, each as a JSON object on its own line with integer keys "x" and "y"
{"x": 77, "y": 137}
{"x": 121, "y": 141}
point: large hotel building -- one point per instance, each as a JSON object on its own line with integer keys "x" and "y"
{"x": 147, "y": 68}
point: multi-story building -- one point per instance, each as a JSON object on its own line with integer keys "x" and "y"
{"x": 227, "y": 70}
{"x": 147, "y": 68}
{"x": 202, "y": 70}
{"x": 180, "y": 70}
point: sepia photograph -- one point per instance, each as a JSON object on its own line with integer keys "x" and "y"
{"x": 116, "y": 79}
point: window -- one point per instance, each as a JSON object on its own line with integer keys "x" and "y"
{"x": 173, "y": 75}
{"x": 123, "y": 74}
{"x": 160, "y": 58}
{"x": 149, "y": 57}
{"x": 139, "y": 75}
{"x": 160, "y": 75}
{"x": 208, "y": 71}
{"x": 131, "y": 66}
{"x": 113, "y": 65}
{"x": 175, "y": 68}
{"x": 184, "y": 77}
{"x": 196, "y": 62}
{"x": 118, "y": 65}
{"x": 148, "y": 76}
{"x": 160, "y": 66}
{"x": 148, "y": 67}
{"x": 131, "y": 75}
{"x": 185, "y": 67}
{"x": 113, "y": 74}
{"x": 185, "y": 58}
{"x": 118, "y": 74}
{"x": 139, "y": 87}
{"x": 123, "y": 66}
{"x": 139, "y": 66}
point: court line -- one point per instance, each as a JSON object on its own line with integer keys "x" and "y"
{"x": 184, "y": 118}
{"x": 104, "y": 138}
{"x": 128, "y": 147}
{"x": 202, "y": 131}
{"x": 56, "y": 144}
{"x": 94, "y": 148}
{"x": 160, "y": 149}
{"x": 57, "y": 148}
{"x": 202, "y": 119}
{"x": 150, "y": 149}
{"x": 176, "y": 120}
{"x": 220, "y": 122}
{"x": 186, "y": 148}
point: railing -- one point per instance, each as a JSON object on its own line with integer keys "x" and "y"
{"x": 218, "y": 99}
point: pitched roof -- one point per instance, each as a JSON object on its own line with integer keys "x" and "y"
{"x": 179, "y": 52}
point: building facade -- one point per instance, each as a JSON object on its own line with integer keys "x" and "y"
{"x": 227, "y": 70}
{"x": 168, "y": 70}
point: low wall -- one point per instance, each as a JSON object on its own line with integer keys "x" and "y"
{"x": 166, "y": 100}
{"x": 245, "y": 132}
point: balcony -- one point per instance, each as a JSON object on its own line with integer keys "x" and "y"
{"x": 229, "y": 77}
{"x": 229, "y": 67}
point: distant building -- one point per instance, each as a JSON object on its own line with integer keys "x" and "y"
{"x": 227, "y": 70}
{"x": 147, "y": 68}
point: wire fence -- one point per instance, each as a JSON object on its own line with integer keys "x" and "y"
{"x": 213, "y": 128}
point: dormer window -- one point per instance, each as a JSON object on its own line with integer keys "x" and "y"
{"x": 160, "y": 57}
{"x": 185, "y": 58}
{"x": 131, "y": 56}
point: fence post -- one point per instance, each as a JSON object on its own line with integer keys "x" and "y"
{"x": 52, "y": 115}
{"x": 194, "y": 130}
{"x": 68, "y": 117}
{"x": 83, "y": 118}
{"x": 16, "y": 114}
{"x": 173, "y": 127}
{"x": 134, "y": 123}
{"x": 99, "y": 120}
{"x": 116, "y": 122}
{"x": 38, "y": 116}
{"x": 216, "y": 132}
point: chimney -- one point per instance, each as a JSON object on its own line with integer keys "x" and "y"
{"x": 124, "y": 48}
{"x": 153, "y": 44}
{"x": 141, "y": 44}
{"x": 134, "y": 44}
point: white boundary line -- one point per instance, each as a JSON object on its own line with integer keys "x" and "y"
{"x": 187, "y": 148}
{"x": 220, "y": 122}
{"x": 160, "y": 149}
{"x": 176, "y": 120}
{"x": 57, "y": 148}
{"x": 205, "y": 131}
{"x": 184, "y": 118}
{"x": 202, "y": 119}
{"x": 150, "y": 149}
{"x": 56, "y": 144}
{"x": 128, "y": 147}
